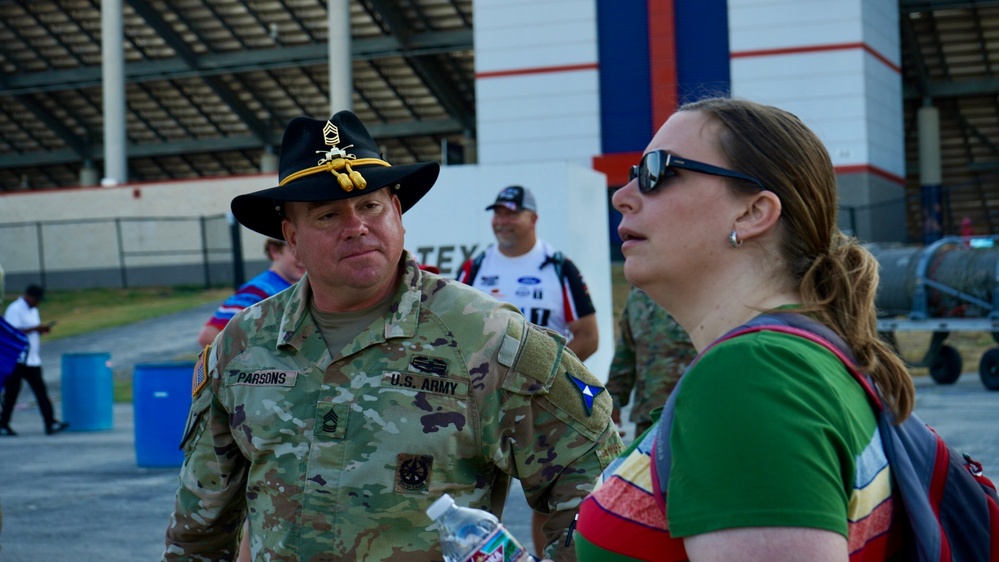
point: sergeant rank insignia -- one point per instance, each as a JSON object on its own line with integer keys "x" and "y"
{"x": 587, "y": 392}
{"x": 331, "y": 137}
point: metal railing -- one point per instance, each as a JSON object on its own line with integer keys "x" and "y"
{"x": 122, "y": 252}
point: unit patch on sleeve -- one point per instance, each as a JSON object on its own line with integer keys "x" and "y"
{"x": 263, "y": 378}
{"x": 412, "y": 472}
{"x": 587, "y": 392}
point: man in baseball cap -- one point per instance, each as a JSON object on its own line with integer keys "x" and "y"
{"x": 332, "y": 414}
{"x": 516, "y": 198}
{"x": 529, "y": 273}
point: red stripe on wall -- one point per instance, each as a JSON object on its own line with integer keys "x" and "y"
{"x": 662, "y": 61}
{"x": 537, "y": 70}
{"x": 869, "y": 169}
{"x": 615, "y": 166}
{"x": 818, "y": 48}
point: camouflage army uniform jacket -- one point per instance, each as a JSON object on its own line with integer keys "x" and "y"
{"x": 336, "y": 456}
{"x": 650, "y": 354}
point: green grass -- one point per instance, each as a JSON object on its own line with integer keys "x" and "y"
{"x": 86, "y": 310}
{"x": 971, "y": 346}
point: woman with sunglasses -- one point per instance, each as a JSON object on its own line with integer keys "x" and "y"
{"x": 775, "y": 452}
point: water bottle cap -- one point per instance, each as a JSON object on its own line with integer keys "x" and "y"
{"x": 438, "y": 508}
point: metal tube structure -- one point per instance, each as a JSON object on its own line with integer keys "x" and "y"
{"x": 340, "y": 71}
{"x": 949, "y": 285}
{"x": 947, "y": 279}
{"x": 930, "y": 173}
{"x": 113, "y": 81}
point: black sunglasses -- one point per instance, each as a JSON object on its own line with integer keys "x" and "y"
{"x": 659, "y": 165}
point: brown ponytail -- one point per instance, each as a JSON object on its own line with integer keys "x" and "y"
{"x": 837, "y": 278}
{"x": 839, "y": 290}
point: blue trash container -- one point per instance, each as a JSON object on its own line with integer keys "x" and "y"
{"x": 161, "y": 394}
{"x": 87, "y": 391}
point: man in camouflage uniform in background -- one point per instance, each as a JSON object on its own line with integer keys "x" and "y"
{"x": 650, "y": 354}
{"x": 334, "y": 413}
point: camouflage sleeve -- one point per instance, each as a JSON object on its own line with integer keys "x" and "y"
{"x": 558, "y": 430}
{"x": 211, "y": 502}
{"x": 622, "y": 375}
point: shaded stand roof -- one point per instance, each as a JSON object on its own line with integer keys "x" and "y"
{"x": 211, "y": 83}
{"x": 950, "y": 57}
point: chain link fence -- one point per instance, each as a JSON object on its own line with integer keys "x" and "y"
{"x": 122, "y": 252}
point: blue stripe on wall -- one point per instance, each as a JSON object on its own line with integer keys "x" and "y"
{"x": 702, "y": 51}
{"x": 625, "y": 92}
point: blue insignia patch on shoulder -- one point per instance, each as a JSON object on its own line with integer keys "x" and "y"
{"x": 587, "y": 392}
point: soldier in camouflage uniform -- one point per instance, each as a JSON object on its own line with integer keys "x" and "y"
{"x": 651, "y": 353}
{"x": 333, "y": 414}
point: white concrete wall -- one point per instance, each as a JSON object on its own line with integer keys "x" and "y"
{"x": 82, "y": 246}
{"x": 537, "y": 82}
{"x": 193, "y": 198}
{"x": 834, "y": 63}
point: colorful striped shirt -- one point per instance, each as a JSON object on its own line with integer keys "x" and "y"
{"x": 253, "y": 291}
{"x": 768, "y": 430}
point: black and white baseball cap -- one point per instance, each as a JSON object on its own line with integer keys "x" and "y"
{"x": 515, "y": 198}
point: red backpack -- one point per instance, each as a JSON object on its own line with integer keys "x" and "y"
{"x": 951, "y": 507}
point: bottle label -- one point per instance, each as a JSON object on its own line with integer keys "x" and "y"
{"x": 499, "y": 546}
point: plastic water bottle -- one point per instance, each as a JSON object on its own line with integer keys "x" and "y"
{"x": 469, "y": 534}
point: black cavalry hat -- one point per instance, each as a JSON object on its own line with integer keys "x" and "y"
{"x": 325, "y": 161}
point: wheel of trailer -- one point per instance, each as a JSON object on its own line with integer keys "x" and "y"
{"x": 946, "y": 368}
{"x": 988, "y": 369}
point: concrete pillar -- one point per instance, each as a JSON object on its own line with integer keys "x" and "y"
{"x": 930, "y": 175}
{"x": 268, "y": 161}
{"x": 113, "y": 81}
{"x": 88, "y": 174}
{"x": 341, "y": 73}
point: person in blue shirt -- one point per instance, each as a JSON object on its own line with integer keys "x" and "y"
{"x": 285, "y": 270}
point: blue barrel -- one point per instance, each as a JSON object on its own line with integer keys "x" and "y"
{"x": 87, "y": 391}
{"x": 161, "y": 394}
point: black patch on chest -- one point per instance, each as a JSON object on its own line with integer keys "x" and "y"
{"x": 412, "y": 472}
{"x": 434, "y": 365}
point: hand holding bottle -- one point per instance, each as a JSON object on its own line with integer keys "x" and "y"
{"x": 473, "y": 535}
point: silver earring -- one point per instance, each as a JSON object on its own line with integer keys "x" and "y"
{"x": 733, "y": 239}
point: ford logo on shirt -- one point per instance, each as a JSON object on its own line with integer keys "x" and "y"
{"x": 528, "y": 281}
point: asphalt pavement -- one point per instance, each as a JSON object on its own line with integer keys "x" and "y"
{"x": 81, "y": 496}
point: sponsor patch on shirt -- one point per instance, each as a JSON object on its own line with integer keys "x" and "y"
{"x": 263, "y": 378}
{"x": 528, "y": 281}
{"x": 488, "y": 280}
{"x": 423, "y": 383}
{"x": 412, "y": 472}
